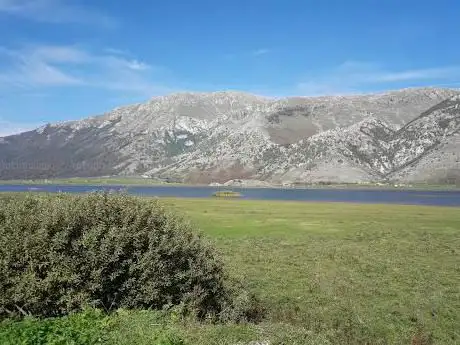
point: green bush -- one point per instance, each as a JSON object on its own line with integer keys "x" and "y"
{"x": 89, "y": 327}
{"x": 61, "y": 253}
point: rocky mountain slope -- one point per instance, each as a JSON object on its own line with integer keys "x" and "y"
{"x": 407, "y": 135}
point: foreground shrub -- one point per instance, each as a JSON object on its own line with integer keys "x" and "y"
{"x": 89, "y": 327}
{"x": 60, "y": 253}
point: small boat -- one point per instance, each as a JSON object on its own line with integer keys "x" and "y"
{"x": 227, "y": 194}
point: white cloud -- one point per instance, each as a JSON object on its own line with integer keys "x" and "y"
{"x": 42, "y": 73}
{"x": 60, "y": 53}
{"x": 356, "y": 77}
{"x": 137, "y": 65}
{"x": 55, "y": 11}
{"x": 47, "y": 65}
{"x": 33, "y": 67}
{"x": 246, "y": 54}
{"x": 444, "y": 73}
{"x": 10, "y": 128}
{"x": 259, "y": 52}
{"x": 115, "y": 51}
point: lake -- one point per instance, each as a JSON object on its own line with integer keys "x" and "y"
{"x": 411, "y": 197}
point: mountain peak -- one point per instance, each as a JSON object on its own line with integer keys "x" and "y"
{"x": 227, "y": 94}
{"x": 219, "y": 136}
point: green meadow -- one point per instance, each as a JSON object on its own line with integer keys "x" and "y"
{"x": 325, "y": 273}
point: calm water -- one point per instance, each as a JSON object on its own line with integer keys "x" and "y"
{"x": 438, "y": 198}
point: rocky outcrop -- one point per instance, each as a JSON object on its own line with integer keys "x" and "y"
{"x": 406, "y": 135}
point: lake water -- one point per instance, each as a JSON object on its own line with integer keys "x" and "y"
{"x": 412, "y": 197}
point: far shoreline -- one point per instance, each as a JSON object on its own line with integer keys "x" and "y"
{"x": 142, "y": 182}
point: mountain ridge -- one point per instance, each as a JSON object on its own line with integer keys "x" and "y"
{"x": 219, "y": 136}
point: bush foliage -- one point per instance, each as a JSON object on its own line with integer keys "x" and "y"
{"x": 61, "y": 253}
{"x": 90, "y": 327}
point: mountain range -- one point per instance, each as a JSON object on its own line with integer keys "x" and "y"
{"x": 408, "y": 136}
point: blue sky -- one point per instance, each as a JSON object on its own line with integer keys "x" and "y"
{"x": 68, "y": 59}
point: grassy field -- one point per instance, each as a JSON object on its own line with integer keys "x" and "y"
{"x": 326, "y": 274}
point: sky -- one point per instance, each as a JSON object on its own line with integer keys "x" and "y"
{"x": 68, "y": 59}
